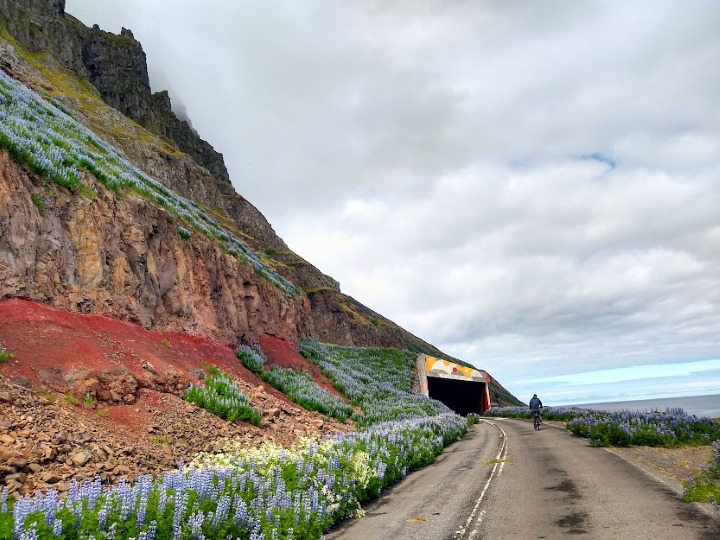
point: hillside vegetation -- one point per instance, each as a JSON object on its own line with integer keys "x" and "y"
{"x": 269, "y": 492}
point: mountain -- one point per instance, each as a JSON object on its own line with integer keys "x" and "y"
{"x": 151, "y": 231}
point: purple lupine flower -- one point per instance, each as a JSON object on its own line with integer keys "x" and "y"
{"x": 222, "y": 511}
{"x": 195, "y": 523}
{"x": 241, "y": 512}
{"x": 21, "y": 510}
{"x": 180, "y": 505}
{"x": 30, "y": 533}
{"x": 57, "y": 527}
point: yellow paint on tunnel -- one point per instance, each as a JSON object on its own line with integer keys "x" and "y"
{"x": 429, "y": 363}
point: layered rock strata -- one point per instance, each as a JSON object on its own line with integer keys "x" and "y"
{"x": 123, "y": 257}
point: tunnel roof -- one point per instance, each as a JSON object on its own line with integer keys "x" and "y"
{"x": 438, "y": 367}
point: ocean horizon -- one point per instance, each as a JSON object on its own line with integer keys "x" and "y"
{"x": 706, "y": 405}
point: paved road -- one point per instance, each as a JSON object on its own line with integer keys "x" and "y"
{"x": 505, "y": 480}
{"x": 431, "y": 502}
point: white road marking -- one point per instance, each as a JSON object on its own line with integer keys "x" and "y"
{"x": 499, "y": 460}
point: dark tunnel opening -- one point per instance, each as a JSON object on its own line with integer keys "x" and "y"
{"x": 463, "y": 397}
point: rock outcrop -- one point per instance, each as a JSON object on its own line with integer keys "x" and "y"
{"x": 123, "y": 257}
{"x": 114, "y": 64}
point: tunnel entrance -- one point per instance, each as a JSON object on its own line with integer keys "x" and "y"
{"x": 463, "y": 397}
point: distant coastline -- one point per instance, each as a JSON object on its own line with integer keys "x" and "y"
{"x": 708, "y": 405}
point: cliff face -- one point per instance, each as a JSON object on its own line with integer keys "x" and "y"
{"x": 91, "y": 256}
{"x": 122, "y": 257}
{"x": 115, "y": 65}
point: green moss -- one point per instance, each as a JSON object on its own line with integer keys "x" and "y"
{"x": 359, "y": 313}
{"x": 313, "y": 290}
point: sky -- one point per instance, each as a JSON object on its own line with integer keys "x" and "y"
{"x": 532, "y": 187}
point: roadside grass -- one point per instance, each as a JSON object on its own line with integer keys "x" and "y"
{"x": 705, "y": 487}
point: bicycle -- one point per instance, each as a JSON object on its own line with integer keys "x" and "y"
{"x": 536, "y": 420}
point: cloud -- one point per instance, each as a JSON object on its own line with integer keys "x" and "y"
{"x": 532, "y": 187}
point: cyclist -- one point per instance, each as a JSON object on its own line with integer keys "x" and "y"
{"x": 535, "y": 406}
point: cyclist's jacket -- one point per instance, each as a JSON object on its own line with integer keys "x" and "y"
{"x": 535, "y": 404}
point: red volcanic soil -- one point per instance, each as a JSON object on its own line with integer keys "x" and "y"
{"x": 150, "y": 427}
{"x": 282, "y": 353}
{"x": 49, "y": 340}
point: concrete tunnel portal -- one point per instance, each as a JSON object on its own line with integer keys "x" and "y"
{"x": 463, "y": 389}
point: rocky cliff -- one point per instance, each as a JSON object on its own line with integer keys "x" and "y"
{"x": 114, "y": 64}
{"x": 123, "y": 257}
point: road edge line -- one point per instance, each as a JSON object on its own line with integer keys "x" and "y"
{"x": 499, "y": 461}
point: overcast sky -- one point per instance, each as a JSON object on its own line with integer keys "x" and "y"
{"x": 533, "y": 187}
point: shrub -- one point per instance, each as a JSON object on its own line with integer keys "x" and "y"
{"x": 185, "y": 234}
{"x": 252, "y": 358}
{"x": 40, "y": 203}
{"x": 222, "y": 397}
{"x": 672, "y": 427}
{"x": 5, "y": 355}
{"x": 299, "y": 387}
{"x": 706, "y": 486}
{"x": 303, "y": 390}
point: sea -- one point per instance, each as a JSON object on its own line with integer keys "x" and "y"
{"x": 698, "y": 405}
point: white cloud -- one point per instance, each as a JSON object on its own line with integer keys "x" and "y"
{"x": 529, "y": 186}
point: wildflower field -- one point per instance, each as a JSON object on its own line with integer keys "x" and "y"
{"x": 264, "y": 493}
{"x": 378, "y": 381}
{"x": 299, "y": 387}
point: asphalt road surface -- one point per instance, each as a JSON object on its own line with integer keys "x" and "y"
{"x": 505, "y": 480}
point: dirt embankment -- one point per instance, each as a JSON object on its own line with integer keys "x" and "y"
{"x": 88, "y": 396}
